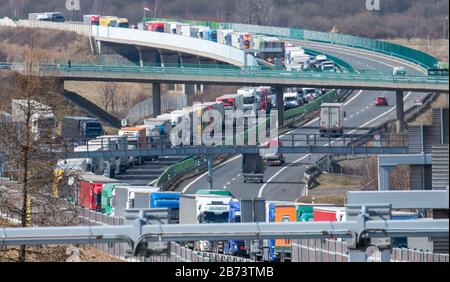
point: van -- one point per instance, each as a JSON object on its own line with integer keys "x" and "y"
{"x": 290, "y": 101}
{"x": 399, "y": 71}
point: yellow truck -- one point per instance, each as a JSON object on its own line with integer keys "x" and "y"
{"x": 109, "y": 21}
{"x": 123, "y": 23}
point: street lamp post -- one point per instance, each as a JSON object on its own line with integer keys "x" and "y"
{"x": 445, "y": 28}
{"x": 145, "y": 10}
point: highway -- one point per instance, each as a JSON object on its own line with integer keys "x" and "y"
{"x": 147, "y": 173}
{"x": 285, "y": 183}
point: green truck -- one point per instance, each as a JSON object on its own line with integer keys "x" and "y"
{"x": 107, "y": 197}
{"x": 305, "y": 213}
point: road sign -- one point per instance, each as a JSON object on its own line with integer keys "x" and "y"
{"x": 124, "y": 123}
{"x": 418, "y": 101}
{"x": 377, "y": 140}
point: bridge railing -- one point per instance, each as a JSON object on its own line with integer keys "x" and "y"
{"x": 174, "y": 42}
{"x": 248, "y": 73}
{"x": 415, "y": 56}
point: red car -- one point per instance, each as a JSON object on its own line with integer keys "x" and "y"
{"x": 381, "y": 101}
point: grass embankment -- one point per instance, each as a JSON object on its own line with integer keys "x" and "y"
{"x": 332, "y": 189}
{"x": 437, "y": 48}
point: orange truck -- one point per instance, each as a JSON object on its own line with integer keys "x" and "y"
{"x": 136, "y": 136}
{"x": 284, "y": 213}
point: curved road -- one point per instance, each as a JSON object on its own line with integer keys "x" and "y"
{"x": 284, "y": 183}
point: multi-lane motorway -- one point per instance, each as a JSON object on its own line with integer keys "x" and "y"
{"x": 285, "y": 183}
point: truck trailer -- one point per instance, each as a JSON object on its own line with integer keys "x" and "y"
{"x": 331, "y": 119}
{"x": 253, "y": 168}
{"x": 131, "y": 197}
{"x": 42, "y": 119}
{"x": 91, "y": 19}
{"x": 90, "y": 190}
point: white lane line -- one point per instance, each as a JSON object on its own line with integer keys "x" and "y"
{"x": 261, "y": 190}
{"x": 353, "y": 98}
{"x": 366, "y": 54}
{"x": 206, "y": 173}
{"x": 239, "y": 175}
{"x": 228, "y": 183}
{"x": 234, "y": 179}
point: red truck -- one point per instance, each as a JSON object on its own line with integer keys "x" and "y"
{"x": 263, "y": 92}
{"x": 154, "y": 26}
{"x": 329, "y": 214}
{"x": 90, "y": 190}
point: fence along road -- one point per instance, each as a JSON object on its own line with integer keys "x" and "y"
{"x": 248, "y": 77}
{"x": 158, "y": 40}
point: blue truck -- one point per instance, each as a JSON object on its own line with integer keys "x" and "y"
{"x": 234, "y": 247}
{"x": 212, "y": 35}
{"x": 169, "y": 200}
{"x": 271, "y": 243}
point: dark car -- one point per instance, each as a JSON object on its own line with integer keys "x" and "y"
{"x": 381, "y": 101}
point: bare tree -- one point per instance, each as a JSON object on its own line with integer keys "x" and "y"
{"x": 108, "y": 91}
{"x": 24, "y": 142}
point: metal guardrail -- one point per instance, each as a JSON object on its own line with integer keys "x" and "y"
{"x": 247, "y": 73}
{"x": 387, "y": 48}
{"x": 393, "y": 143}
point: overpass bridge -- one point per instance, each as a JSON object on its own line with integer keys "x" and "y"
{"x": 247, "y": 76}
{"x": 347, "y": 144}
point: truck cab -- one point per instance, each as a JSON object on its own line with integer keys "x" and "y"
{"x": 251, "y": 101}
{"x": 123, "y": 23}
{"x": 235, "y": 247}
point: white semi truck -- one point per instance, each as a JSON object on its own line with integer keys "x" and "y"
{"x": 42, "y": 119}
{"x": 331, "y": 119}
{"x": 204, "y": 209}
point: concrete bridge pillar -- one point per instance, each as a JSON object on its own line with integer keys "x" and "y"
{"x": 383, "y": 177}
{"x": 156, "y": 99}
{"x": 190, "y": 61}
{"x": 280, "y": 105}
{"x": 401, "y": 125}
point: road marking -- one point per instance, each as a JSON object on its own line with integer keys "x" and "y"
{"x": 353, "y": 98}
{"x": 228, "y": 183}
{"x": 234, "y": 179}
{"x": 153, "y": 182}
{"x": 206, "y": 173}
{"x": 261, "y": 190}
{"x": 342, "y": 49}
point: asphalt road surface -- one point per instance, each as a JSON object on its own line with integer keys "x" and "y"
{"x": 285, "y": 183}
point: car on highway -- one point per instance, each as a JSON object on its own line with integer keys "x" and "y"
{"x": 400, "y": 71}
{"x": 381, "y": 101}
{"x": 290, "y": 101}
{"x": 271, "y": 156}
